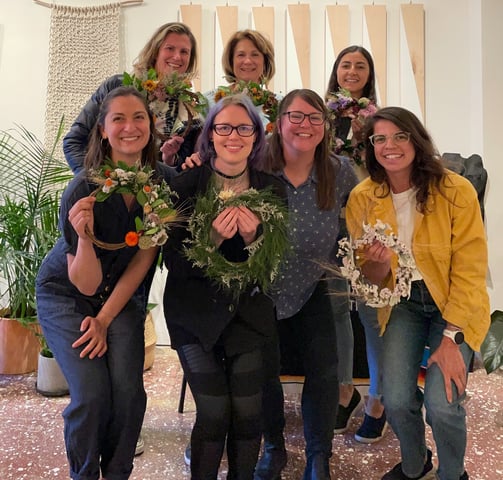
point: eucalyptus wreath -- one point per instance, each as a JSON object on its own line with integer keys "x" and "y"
{"x": 264, "y": 253}
{"x": 362, "y": 288}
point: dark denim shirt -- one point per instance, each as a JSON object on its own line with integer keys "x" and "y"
{"x": 112, "y": 221}
{"x": 313, "y": 235}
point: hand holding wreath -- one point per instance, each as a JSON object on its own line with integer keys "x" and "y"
{"x": 81, "y": 216}
{"x": 377, "y": 244}
{"x": 247, "y": 223}
{"x": 224, "y": 226}
{"x": 221, "y": 214}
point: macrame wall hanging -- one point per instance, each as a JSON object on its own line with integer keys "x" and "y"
{"x": 83, "y": 52}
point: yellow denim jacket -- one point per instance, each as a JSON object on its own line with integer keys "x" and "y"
{"x": 449, "y": 247}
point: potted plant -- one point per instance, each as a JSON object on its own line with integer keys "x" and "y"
{"x": 492, "y": 346}
{"x": 492, "y": 352}
{"x": 31, "y": 181}
{"x": 50, "y": 379}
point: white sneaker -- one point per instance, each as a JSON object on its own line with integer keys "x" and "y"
{"x": 140, "y": 446}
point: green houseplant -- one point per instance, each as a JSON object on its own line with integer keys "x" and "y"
{"x": 492, "y": 352}
{"x": 31, "y": 181}
{"x": 492, "y": 346}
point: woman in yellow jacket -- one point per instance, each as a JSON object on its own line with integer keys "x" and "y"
{"x": 434, "y": 212}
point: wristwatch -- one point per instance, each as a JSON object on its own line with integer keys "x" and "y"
{"x": 457, "y": 336}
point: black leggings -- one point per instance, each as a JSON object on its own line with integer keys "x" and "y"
{"x": 228, "y": 396}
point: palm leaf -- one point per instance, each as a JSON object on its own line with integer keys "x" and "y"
{"x": 32, "y": 179}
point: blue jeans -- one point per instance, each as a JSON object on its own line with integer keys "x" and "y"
{"x": 311, "y": 332}
{"x": 415, "y": 323}
{"x": 374, "y": 348}
{"x": 339, "y": 295}
{"x": 107, "y": 397}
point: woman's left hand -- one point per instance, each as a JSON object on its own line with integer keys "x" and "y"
{"x": 247, "y": 224}
{"x": 170, "y": 148}
{"x": 95, "y": 335}
{"x": 450, "y": 361}
{"x": 224, "y": 226}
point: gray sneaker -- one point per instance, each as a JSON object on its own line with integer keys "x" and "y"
{"x": 140, "y": 446}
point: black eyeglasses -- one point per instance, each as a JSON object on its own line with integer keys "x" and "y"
{"x": 298, "y": 117}
{"x": 397, "y": 138}
{"x": 224, "y": 129}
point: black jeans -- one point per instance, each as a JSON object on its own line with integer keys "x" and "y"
{"x": 309, "y": 335}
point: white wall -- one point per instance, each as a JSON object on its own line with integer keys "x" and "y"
{"x": 463, "y": 71}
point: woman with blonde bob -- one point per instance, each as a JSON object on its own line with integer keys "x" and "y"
{"x": 248, "y": 57}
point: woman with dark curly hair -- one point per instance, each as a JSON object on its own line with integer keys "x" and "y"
{"x": 435, "y": 213}
{"x": 91, "y": 301}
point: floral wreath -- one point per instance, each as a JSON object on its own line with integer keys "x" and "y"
{"x": 158, "y": 91}
{"x": 153, "y": 195}
{"x": 342, "y": 104}
{"x": 365, "y": 290}
{"x": 259, "y": 96}
{"x": 264, "y": 253}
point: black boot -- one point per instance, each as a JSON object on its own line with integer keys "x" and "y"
{"x": 272, "y": 462}
{"x": 317, "y": 468}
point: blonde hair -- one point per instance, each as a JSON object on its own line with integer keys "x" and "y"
{"x": 148, "y": 55}
{"x": 263, "y": 45}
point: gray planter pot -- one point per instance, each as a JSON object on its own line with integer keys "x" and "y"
{"x": 50, "y": 380}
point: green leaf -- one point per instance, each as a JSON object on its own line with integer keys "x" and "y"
{"x": 101, "y": 196}
{"x": 138, "y": 223}
{"x": 151, "y": 306}
{"x": 141, "y": 197}
{"x": 127, "y": 79}
{"x": 492, "y": 346}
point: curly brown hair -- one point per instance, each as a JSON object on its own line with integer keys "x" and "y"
{"x": 427, "y": 173}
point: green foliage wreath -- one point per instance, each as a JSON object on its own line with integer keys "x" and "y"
{"x": 265, "y": 253}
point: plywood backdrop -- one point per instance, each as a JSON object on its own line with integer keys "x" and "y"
{"x": 294, "y": 60}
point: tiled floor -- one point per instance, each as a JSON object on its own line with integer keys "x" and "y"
{"x": 31, "y": 441}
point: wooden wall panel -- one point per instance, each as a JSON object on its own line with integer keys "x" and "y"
{"x": 263, "y": 21}
{"x": 412, "y": 56}
{"x": 226, "y": 23}
{"x": 191, "y": 15}
{"x": 375, "y": 34}
{"x": 298, "y": 44}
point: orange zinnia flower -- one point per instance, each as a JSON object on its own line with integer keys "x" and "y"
{"x": 147, "y": 188}
{"x": 149, "y": 85}
{"x": 132, "y": 239}
{"x": 219, "y": 95}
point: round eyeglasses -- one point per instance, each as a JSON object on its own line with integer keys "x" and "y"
{"x": 298, "y": 117}
{"x": 224, "y": 129}
{"x": 397, "y": 138}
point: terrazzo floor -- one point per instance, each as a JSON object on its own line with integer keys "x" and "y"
{"x": 31, "y": 432}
